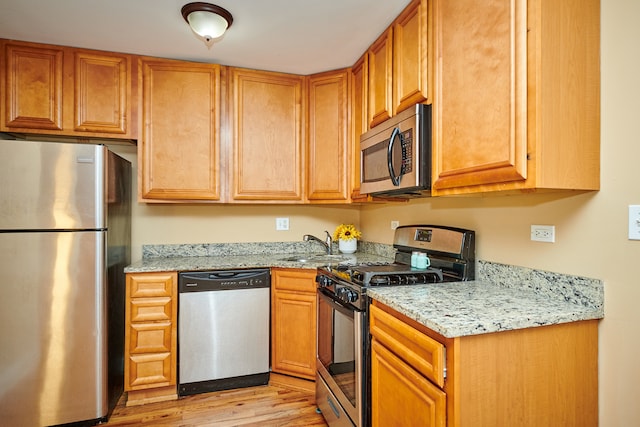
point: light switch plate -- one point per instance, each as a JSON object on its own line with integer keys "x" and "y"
{"x": 634, "y": 222}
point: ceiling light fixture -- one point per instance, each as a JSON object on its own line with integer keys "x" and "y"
{"x": 208, "y": 21}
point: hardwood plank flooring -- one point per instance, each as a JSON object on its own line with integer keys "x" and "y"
{"x": 253, "y": 406}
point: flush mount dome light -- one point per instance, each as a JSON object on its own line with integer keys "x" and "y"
{"x": 207, "y": 20}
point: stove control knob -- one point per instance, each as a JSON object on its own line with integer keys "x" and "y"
{"x": 347, "y": 295}
{"x": 323, "y": 281}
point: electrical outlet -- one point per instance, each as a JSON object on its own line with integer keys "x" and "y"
{"x": 395, "y": 224}
{"x": 543, "y": 233}
{"x": 634, "y": 222}
{"x": 282, "y": 224}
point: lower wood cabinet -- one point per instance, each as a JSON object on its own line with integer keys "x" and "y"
{"x": 404, "y": 362}
{"x": 293, "y": 322}
{"x": 151, "y": 337}
{"x": 544, "y": 376}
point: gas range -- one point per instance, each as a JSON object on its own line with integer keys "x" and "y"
{"x": 343, "y": 386}
{"x": 451, "y": 252}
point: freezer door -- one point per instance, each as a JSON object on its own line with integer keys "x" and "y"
{"x": 52, "y": 328}
{"x": 51, "y": 185}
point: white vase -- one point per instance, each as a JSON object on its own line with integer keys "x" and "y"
{"x": 348, "y": 246}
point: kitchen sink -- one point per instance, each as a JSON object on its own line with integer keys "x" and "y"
{"x": 318, "y": 258}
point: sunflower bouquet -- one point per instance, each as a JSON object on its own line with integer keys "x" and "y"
{"x": 346, "y": 232}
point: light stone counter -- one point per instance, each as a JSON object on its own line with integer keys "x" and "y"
{"x": 492, "y": 304}
{"x": 226, "y": 262}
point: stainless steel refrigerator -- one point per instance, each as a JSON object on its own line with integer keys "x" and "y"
{"x": 65, "y": 232}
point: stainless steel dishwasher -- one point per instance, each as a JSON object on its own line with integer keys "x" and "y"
{"x": 223, "y": 330}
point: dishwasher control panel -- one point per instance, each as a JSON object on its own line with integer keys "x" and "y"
{"x": 201, "y": 281}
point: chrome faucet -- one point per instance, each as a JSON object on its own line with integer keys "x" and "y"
{"x": 328, "y": 243}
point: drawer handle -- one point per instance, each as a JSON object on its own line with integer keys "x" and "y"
{"x": 333, "y": 407}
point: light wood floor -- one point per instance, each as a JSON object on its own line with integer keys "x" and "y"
{"x": 253, "y": 406}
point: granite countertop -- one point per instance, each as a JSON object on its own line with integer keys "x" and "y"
{"x": 458, "y": 309}
{"x": 504, "y": 297}
{"x": 218, "y": 262}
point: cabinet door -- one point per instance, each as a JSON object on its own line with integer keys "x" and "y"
{"x": 480, "y": 114}
{"x": 293, "y": 324}
{"x": 267, "y": 130}
{"x": 380, "y": 78}
{"x": 328, "y": 149}
{"x": 179, "y": 150}
{"x": 102, "y": 93}
{"x": 151, "y": 331}
{"x": 410, "y": 56}
{"x": 400, "y": 396}
{"x": 359, "y": 121}
{"x": 32, "y": 90}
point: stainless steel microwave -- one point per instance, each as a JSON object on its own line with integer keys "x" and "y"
{"x": 395, "y": 156}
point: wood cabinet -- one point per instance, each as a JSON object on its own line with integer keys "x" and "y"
{"x": 267, "y": 111}
{"x": 411, "y": 60}
{"x": 359, "y": 121}
{"x": 293, "y": 322}
{"x": 407, "y": 373}
{"x": 179, "y": 152}
{"x": 151, "y": 337}
{"x": 381, "y": 79}
{"x": 398, "y": 64}
{"x": 65, "y": 91}
{"x": 328, "y": 151}
{"x": 517, "y": 96}
{"x": 527, "y": 377}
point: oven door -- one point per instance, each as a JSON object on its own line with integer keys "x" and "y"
{"x": 340, "y": 357}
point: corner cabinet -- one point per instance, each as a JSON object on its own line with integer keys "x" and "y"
{"x": 544, "y": 376}
{"x": 267, "y": 111}
{"x": 65, "y": 91}
{"x": 293, "y": 322}
{"x": 328, "y": 151}
{"x": 150, "y": 359}
{"x": 179, "y": 152}
{"x": 517, "y": 96}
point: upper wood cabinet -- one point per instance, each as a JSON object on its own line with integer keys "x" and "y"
{"x": 517, "y": 96}
{"x": 328, "y": 151}
{"x": 411, "y": 56}
{"x": 359, "y": 122}
{"x": 179, "y": 152}
{"x": 65, "y": 91}
{"x": 380, "y": 79}
{"x": 398, "y": 64}
{"x": 267, "y": 129}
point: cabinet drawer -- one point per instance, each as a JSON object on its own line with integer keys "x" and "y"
{"x": 151, "y": 285}
{"x": 150, "y": 309}
{"x": 150, "y": 370}
{"x": 150, "y": 337}
{"x": 423, "y": 353}
{"x": 295, "y": 280}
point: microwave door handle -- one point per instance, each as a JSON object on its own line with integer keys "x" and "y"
{"x": 395, "y": 135}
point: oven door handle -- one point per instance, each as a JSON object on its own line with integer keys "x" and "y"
{"x": 337, "y": 305}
